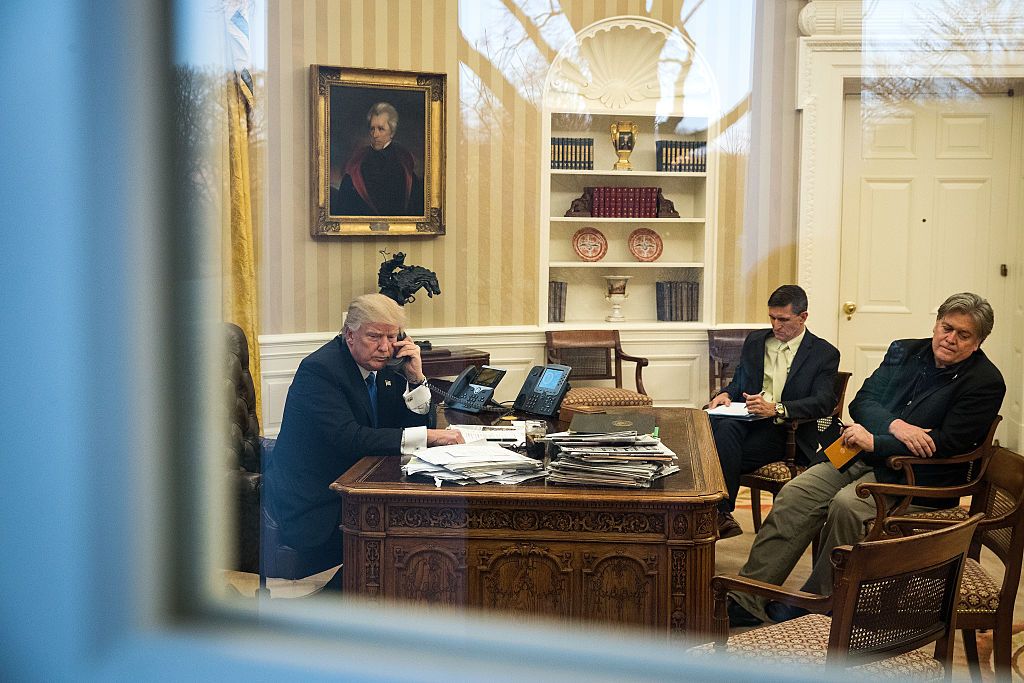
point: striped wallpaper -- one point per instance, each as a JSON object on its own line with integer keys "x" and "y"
{"x": 487, "y": 261}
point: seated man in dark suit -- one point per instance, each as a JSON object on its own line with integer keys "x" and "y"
{"x": 344, "y": 404}
{"x": 932, "y": 398}
{"x": 786, "y": 371}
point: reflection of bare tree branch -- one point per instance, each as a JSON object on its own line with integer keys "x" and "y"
{"x": 200, "y": 121}
{"x": 197, "y": 103}
{"x": 730, "y": 140}
{"x": 947, "y": 23}
{"x": 488, "y": 108}
{"x": 696, "y": 6}
{"x": 532, "y": 26}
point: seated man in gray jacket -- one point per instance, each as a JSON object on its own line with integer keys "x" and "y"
{"x": 932, "y": 398}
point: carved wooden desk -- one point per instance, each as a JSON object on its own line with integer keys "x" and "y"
{"x": 638, "y": 557}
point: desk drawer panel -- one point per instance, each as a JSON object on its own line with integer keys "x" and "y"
{"x": 615, "y": 583}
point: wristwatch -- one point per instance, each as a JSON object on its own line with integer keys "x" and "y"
{"x": 780, "y": 410}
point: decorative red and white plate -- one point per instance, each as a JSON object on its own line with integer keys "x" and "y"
{"x": 645, "y": 244}
{"x": 590, "y": 244}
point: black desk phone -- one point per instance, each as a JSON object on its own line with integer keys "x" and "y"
{"x": 543, "y": 390}
{"x": 473, "y": 388}
{"x": 396, "y": 364}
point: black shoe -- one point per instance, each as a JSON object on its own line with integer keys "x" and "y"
{"x": 779, "y": 612}
{"x": 728, "y": 526}
{"x": 739, "y": 616}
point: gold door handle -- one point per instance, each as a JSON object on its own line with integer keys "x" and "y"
{"x": 849, "y": 308}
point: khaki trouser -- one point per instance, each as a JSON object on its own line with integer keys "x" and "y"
{"x": 820, "y": 498}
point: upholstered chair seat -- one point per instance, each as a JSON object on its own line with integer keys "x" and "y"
{"x": 804, "y": 642}
{"x": 596, "y": 355}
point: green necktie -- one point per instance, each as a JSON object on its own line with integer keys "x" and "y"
{"x": 780, "y": 372}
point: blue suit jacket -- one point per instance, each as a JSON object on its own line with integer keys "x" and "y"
{"x": 325, "y": 430}
{"x": 810, "y": 386}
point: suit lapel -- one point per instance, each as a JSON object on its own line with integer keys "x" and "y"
{"x": 354, "y": 379}
{"x": 802, "y": 354}
{"x": 753, "y": 366}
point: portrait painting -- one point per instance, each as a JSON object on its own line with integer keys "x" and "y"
{"x": 378, "y": 152}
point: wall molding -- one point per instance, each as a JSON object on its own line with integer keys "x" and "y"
{"x": 677, "y": 375}
{"x": 906, "y": 17}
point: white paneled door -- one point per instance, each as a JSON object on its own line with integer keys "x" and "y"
{"x": 925, "y": 214}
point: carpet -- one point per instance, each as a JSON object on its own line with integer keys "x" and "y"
{"x": 1016, "y": 653}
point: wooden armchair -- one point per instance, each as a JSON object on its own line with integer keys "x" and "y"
{"x": 905, "y": 493}
{"x": 985, "y": 602}
{"x": 890, "y": 598}
{"x": 773, "y": 476}
{"x": 596, "y": 355}
{"x": 724, "y": 348}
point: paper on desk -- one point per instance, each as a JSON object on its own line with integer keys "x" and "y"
{"x": 483, "y": 452}
{"x": 475, "y": 462}
{"x": 514, "y": 433}
{"x": 734, "y": 409}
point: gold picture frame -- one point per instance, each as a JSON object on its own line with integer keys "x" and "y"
{"x": 378, "y": 152}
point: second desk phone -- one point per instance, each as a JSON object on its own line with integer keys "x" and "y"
{"x": 542, "y": 392}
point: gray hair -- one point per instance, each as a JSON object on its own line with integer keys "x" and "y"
{"x": 387, "y": 110}
{"x": 373, "y": 308}
{"x": 979, "y": 310}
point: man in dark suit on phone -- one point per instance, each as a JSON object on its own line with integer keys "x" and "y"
{"x": 345, "y": 403}
{"x": 783, "y": 372}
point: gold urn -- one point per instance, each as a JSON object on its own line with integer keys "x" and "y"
{"x": 624, "y": 139}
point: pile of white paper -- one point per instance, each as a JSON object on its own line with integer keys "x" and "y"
{"x": 511, "y": 435}
{"x": 613, "y": 459}
{"x": 478, "y": 462}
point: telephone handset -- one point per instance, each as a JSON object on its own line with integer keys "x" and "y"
{"x": 543, "y": 390}
{"x": 395, "y": 364}
{"x": 472, "y": 389}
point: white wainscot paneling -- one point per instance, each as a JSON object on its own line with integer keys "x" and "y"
{"x": 516, "y": 349}
{"x": 678, "y": 370}
{"x": 676, "y": 376}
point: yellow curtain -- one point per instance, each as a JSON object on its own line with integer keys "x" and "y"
{"x": 239, "y": 270}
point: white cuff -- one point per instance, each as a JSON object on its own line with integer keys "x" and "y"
{"x": 418, "y": 399}
{"x": 413, "y": 439}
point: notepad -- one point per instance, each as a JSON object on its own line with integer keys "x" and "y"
{"x": 736, "y": 410}
{"x": 840, "y": 455}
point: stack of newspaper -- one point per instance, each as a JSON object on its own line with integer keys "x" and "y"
{"x": 477, "y": 462}
{"x": 610, "y": 459}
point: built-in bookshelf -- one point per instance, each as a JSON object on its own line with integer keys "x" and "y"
{"x": 673, "y": 205}
{"x": 620, "y": 84}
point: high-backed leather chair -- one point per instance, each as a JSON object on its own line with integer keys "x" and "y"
{"x": 245, "y": 448}
{"x": 259, "y": 546}
{"x": 596, "y": 355}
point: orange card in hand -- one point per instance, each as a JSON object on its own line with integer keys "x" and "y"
{"x": 840, "y": 455}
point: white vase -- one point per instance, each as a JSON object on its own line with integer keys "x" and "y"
{"x": 616, "y": 296}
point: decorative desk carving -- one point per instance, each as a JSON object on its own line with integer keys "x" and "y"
{"x": 622, "y": 557}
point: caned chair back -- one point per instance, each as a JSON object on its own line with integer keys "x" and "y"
{"x": 896, "y": 595}
{"x": 590, "y": 353}
{"x": 1002, "y": 503}
{"x": 596, "y": 355}
{"x": 724, "y": 347}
